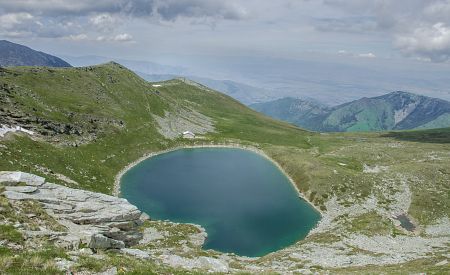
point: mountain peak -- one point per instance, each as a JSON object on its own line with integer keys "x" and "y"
{"x": 402, "y": 93}
{"x": 13, "y": 54}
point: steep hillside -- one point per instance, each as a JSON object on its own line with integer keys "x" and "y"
{"x": 394, "y": 111}
{"x": 79, "y": 127}
{"x": 12, "y": 54}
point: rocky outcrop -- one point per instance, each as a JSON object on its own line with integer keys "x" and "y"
{"x": 98, "y": 220}
{"x": 173, "y": 124}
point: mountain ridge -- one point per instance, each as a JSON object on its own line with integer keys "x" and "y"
{"x": 13, "y": 54}
{"x": 398, "y": 110}
{"x": 242, "y": 92}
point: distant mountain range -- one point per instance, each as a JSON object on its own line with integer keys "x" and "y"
{"x": 12, "y": 54}
{"x": 330, "y": 79}
{"x": 393, "y": 111}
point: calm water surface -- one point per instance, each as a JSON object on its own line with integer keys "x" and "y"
{"x": 244, "y": 202}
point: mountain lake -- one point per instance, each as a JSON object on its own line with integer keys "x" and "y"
{"x": 242, "y": 199}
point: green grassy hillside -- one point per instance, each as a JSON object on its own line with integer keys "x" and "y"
{"x": 91, "y": 122}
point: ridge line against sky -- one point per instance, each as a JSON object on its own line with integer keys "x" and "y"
{"x": 333, "y": 51}
{"x": 287, "y": 28}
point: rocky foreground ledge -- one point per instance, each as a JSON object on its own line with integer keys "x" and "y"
{"x": 93, "y": 219}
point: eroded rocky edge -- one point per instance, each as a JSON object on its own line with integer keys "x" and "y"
{"x": 93, "y": 222}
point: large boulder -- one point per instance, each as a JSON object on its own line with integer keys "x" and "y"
{"x": 99, "y": 241}
{"x": 99, "y": 220}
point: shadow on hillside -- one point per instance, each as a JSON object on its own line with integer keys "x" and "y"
{"x": 429, "y": 136}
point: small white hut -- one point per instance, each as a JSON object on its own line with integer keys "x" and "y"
{"x": 188, "y": 134}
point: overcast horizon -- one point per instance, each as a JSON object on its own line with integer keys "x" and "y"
{"x": 373, "y": 46}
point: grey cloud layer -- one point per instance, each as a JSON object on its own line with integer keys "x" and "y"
{"x": 167, "y": 9}
{"x": 68, "y": 18}
{"x": 418, "y": 28}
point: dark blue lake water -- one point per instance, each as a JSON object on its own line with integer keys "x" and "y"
{"x": 245, "y": 203}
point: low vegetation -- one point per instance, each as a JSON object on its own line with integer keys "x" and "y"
{"x": 91, "y": 122}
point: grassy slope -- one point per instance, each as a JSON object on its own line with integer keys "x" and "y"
{"x": 322, "y": 165}
{"x": 87, "y": 94}
{"x": 112, "y": 93}
{"x": 361, "y": 116}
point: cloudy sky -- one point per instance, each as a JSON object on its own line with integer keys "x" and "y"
{"x": 169, "y": 31}
{"x": 367, "y": 29}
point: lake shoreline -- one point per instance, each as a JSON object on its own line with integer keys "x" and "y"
{"x": 116, "y": 189}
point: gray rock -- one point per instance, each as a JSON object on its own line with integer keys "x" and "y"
{"x": 111, "y": 271}
{"x": 98, "y": 220}
{"x": 13, "y": 178}
{"x": 136, "y": 253}
{"x": 12, "y": 195}
{"x": 59, "y": 208}
{"x": 126, "y": 225}
{"x": 129, "y": 238}
{"x": 63, "y": 264}
{"x": 198, "y": 239}
{"x": 213, "y": 264}
{"x": 205, "y": 263}
{"x": 69, "y": 242}
{"x": 99, "y": 241}
{"x": 21, "y": 189}
{"x": 82, "y": 251}
{"x": 43, "y": 233}
{"x": 144, "y": 217}
{"x": 150, "y": 235}
{"x": 441, "y": 263}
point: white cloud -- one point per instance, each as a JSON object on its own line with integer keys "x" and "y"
{"x": 367, "y": 55}
{"x": 431, "y": 42}
{"x": 360, "y": 55}
{"x": 104, "y": 22}
{"x": 17, "y": 25}
{"x": 78, "y": 37}
{"x": 439, "y": 10}
{"x": 124, "y": 37}
{"x": 12, "y": 19}
{"x": 417, "y": 28}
